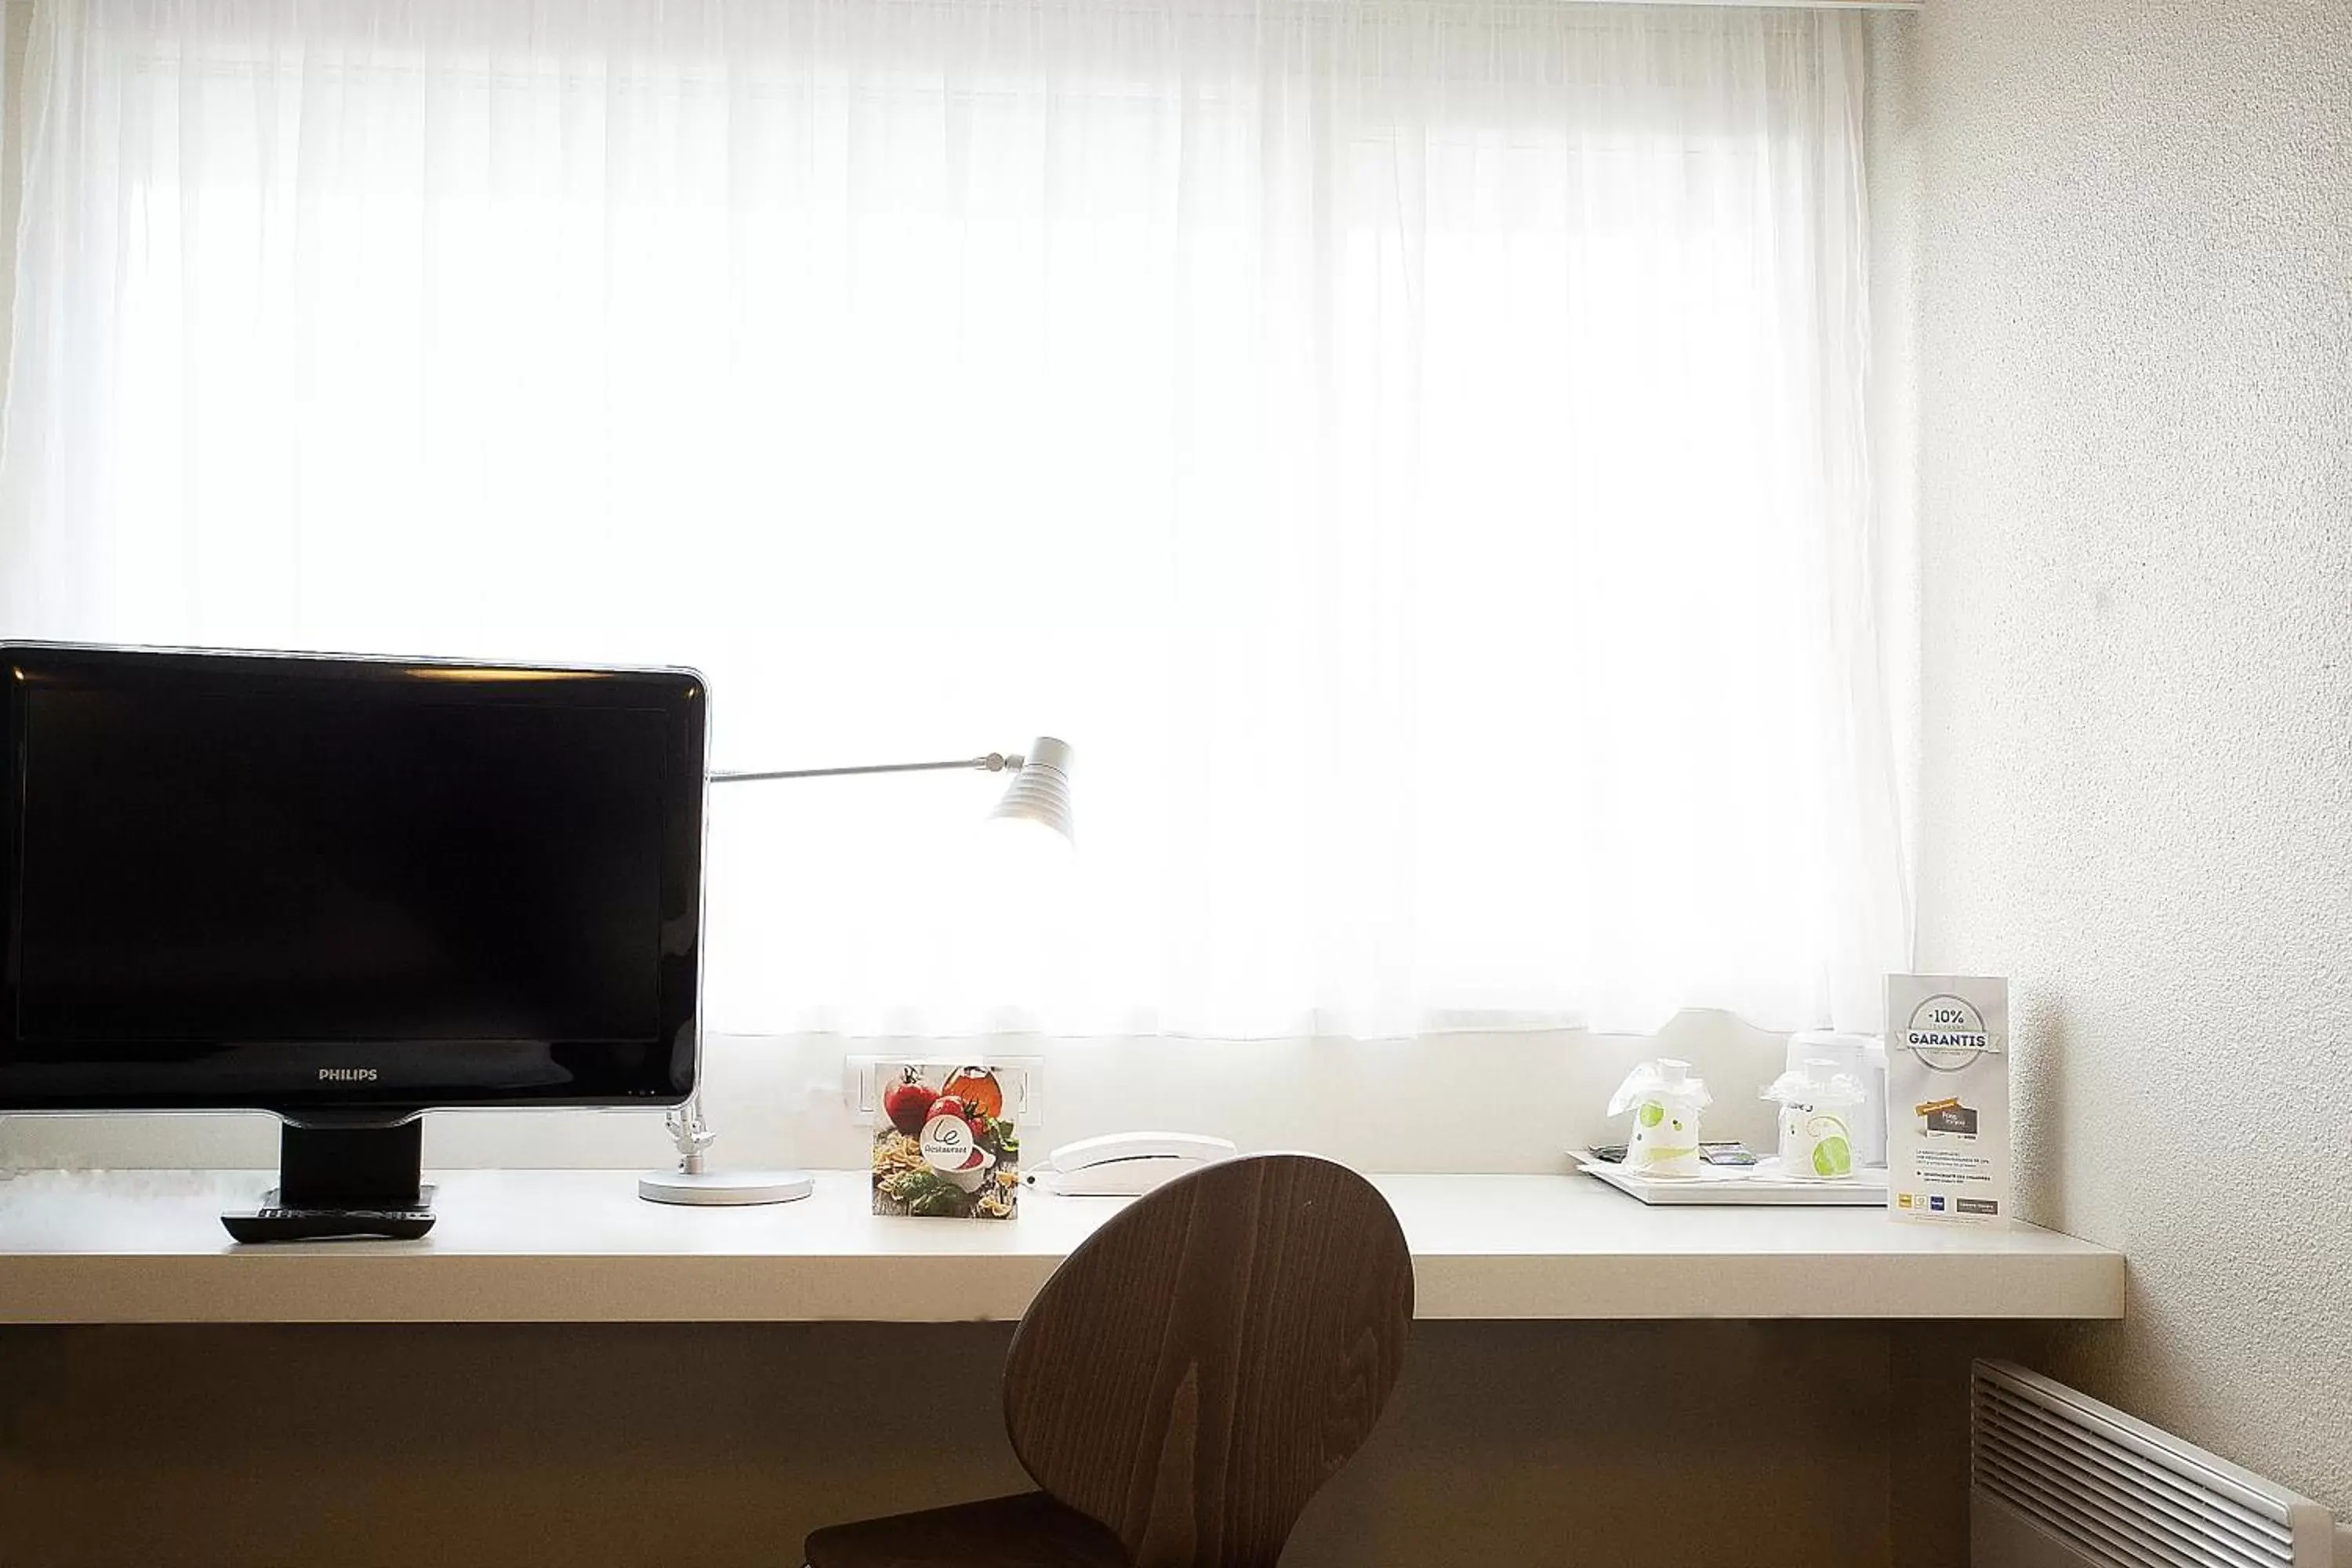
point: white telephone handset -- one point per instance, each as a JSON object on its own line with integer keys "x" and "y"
{"x": 1126, "y": 1164}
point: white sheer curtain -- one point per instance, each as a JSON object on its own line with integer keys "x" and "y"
{"x": 1413, "y": 449}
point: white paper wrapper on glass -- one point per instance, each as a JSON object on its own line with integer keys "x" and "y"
{"x": 1818, "y": 1103}
{"x": 1864, "y": 1058}
{"x": 1667, "y": 1099}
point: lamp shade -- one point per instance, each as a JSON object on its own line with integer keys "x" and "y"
{"x": 1040, "y": 791}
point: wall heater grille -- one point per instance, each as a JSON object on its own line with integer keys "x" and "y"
{"x": 2060, "y": 1481}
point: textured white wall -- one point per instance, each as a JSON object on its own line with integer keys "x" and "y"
{"x": 2135, "y": 280}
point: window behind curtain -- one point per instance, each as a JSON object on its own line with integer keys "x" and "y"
{"x": 1412, "y": 451}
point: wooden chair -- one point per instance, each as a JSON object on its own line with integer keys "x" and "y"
{"x": 1185, "y": 1380}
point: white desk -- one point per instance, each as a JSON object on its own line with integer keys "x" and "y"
{"x": 145, "y": 1247}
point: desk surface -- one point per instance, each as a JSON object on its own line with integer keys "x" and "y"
{"x": 145, "y": 1247}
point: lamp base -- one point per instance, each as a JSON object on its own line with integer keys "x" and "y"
{"x": 712, "y": 1187}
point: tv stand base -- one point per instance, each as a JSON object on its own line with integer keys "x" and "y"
{"x": 336, "y": 1183}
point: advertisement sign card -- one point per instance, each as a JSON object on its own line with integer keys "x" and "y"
{"x": 1948, "y": 1098}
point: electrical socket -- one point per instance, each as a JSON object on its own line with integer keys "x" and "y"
{"x": 1023, "y": 1077}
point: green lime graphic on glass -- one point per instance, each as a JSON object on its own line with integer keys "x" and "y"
{"x": 1652, "y": 1114}
{"x": 1832, "y": 1155}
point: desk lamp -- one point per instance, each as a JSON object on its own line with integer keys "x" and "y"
{"x": 1039, "y": 793}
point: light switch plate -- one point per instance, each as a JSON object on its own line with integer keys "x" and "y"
{"x": 1024, "y": 1078}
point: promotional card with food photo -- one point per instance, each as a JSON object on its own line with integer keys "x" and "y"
{"x": 944, "y": 1143}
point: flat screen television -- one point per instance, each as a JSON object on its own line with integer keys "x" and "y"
{"x": 346, "y": 890}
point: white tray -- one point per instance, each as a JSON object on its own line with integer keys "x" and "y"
{"x": 1758, "y": 1183}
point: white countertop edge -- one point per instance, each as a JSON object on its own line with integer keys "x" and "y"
{"x": 578, "y": 1246}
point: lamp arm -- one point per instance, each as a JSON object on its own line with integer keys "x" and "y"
{"x": 995, "y": 762}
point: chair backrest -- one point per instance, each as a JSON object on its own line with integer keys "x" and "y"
{"x": 1207, "y": 1359}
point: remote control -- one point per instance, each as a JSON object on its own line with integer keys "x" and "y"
{"x": 278, "y": 1224}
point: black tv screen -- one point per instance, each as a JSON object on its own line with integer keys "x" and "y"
{"x": 289, "y": 882}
